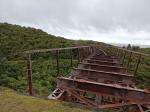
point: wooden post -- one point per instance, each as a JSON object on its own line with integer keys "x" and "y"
{"x": 70, "y": 57}
{"x": 138, "y": 62}
{"x": 57, "y": 60}
{"x": 29, "y": 70}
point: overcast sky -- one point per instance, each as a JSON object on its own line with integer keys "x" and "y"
{"x": 113, "y": 21}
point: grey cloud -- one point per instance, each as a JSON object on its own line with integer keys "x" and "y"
{"x": 78, "y": 17}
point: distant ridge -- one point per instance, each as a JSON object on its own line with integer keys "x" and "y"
{"x": 121, "y": 45}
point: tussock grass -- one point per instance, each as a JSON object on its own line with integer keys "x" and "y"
{"x": 10, "y": 101}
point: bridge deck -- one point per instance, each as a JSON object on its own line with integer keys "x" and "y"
{"x": 105, "y": 79}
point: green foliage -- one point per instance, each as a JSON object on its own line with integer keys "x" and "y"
{"x": 143, "y": 73}
{"x": 145, "y": 50}
{"x": 15, "y": 40}
{"x": 135, "y": 48}
{"x": 132, "y": 47}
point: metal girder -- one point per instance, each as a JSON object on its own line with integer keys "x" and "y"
{"x": 100, "y": 76}
{"x": 103, "y": 59}
{"x": 116, "y": 105}
{"x": 81, "y": 98}
{"x": 102, "y": 62}
{"x": 107, "y": 57}
{"x": 54, "y": 49}
{"x": 102, "y": 55}
{"x": 134, "y": 95}
{"x": 103, "y": 67}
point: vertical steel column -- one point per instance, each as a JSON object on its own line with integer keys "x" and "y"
{"x": 124, "y": 57}
{"x": 83, "y": 53}
{"x": 117, "y": 54}
{"x": 98, "y": 101}
{"x": 108, "y": 49}
{"x": 138, "y": 62}
{"x": 79, "y": 55}
{"x": 120, "y": 54}
{"x": 129, "y": 60}
{"x": 86, "y": 52}
{"x": 90, "y": 52}
{"x": 70, "y": 57}
{"x": 29, "y": 70}
{"x": 90, "y": 48}
{"x": 57, "y": 61}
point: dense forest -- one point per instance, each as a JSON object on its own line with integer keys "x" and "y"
{"x": 15, "y": 40}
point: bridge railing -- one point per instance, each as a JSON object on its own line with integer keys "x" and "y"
{"x": 73, "y": 53}
{"x": 137, "y": 63}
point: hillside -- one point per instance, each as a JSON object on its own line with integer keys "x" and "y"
{"x": 14, "y": 40}
{"x": 145, "y": 50}
{"x": 11, "y": 101}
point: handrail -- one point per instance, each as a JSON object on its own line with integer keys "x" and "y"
{"x": 53, "y": 49}
{"x": 127, "y": 57}
{"x": 82, "y": 52}
{"x": 135, "y": 52}
{"x": 123, "y": 49}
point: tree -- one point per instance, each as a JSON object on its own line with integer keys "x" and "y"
{"x": 135, "y": 48}
{"x": 129, "y": 46}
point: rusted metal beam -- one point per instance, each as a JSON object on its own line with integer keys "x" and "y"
{"x": 79, "y": 55}
{"x": 137, "y": 65}
{"x": 103, "y": 67}
{"x": 70, "y": 52}
{"x": 57, "y": 61}
{"x": 103, "y": 59}
{"x": 53, "y": 49}
{"x": 129, "y": 60}
{"x": 102, "y": 52}
{"x": 81, "y": 98}
{"x": 103, "y": 62}
{"x": 134, "y": 52}
{"x": 134, "y": 95}
{"x": 100, "y": 76}
{"x": 102, "y": 55}
{"x": 140, "y": 108}
{"x": 124, "y": 56}
{"x": 116, "y": 105}
{"x": 29, "y": 70}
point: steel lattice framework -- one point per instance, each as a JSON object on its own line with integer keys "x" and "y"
{"x": 100, "y": 81}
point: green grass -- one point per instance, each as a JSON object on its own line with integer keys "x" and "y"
{"x": 10, "y": 101}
